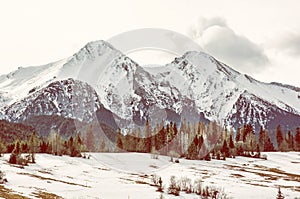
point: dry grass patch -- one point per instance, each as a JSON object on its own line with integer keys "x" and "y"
{"x": 52, "y": 179}
{"x": 103, "y": 169}
{"x": 153, "y": 166}
{"x": 42, "y": 194}
{"x": 45, "y": 172}
{"x": 8, "y": 194}
{"x": 288, "y": 176}
{"x": 236, "y": 175}
{"x": 295, "y": 162}
{"x": 257, "y": 185}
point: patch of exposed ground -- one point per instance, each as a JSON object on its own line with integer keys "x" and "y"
{"x": 42, "y": 194}
{"x": 135, "y": 181}
{"x": 236, "y": 175}
{"x": 9, "y": 194}
{"x": 52, "y": 179}
{"x": 269, "y": 174}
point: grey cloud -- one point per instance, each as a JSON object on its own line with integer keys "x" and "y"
{"x": 236, "y": 50}
{"x": 290, "y": 43}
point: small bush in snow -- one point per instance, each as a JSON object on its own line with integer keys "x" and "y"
{"x": 17, "y": 159}
{"x": 2, "y": 178}
{"x": 198, "y": 186}
{"x": 154, "y": 153}
{"x": 172, "y": 155}
{"x": 185, "y": 184}
{"x": 173, "y": 187}
{"x": 155, "y": 179}
{"x": 264, "y": 156}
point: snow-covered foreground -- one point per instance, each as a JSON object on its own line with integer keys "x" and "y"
{"x": 128, "y": 175}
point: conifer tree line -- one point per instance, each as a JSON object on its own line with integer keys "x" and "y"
{"x": 190, "y": 140}
{"x": 53, "y": 144}
{"x": 203, "y": 141}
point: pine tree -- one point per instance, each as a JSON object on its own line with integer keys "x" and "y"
{"x": 74, "y": 146}
{"x": 16, "y": 153}
{"x": 71, "y": 146}
{"x": 199, "y": 128}
{"x": 279, "y": 137}
{"x": 261, "y": 138}
{"x": 268, "y": 145}
{"x": 238, "y": 135}
{"x": 175, "y": 130}
{"x": 43, "y": 147}
{"x": 297, "y": 139}
{"x": 225, "y": 149}
{"x": 24, "y": 147}
{"x": 119, "y": 141}
{"x": 193, "y": 152}
{"x": 290, "y": 141}
{"x": 247, "y": 129}
{"x": 257, "y": 151}
{"x": 161, "y": 139}
{"x": 133, "y": 141}
{"x": 79, "y": 143}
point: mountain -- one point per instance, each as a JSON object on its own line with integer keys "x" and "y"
{"x": 99, "y": 82}
{"x": 250, "y": 109}
{"x": 123, "y": 87}
{"x": 218, "y": 91}
{"x": 68, "y": 98}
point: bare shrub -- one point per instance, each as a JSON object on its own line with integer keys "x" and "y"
{"x": 173, "y": 155}
{"x": 185, "y": 184}
{"x": 198, "y": 186}
{"x": 154, "y": 153}
{"x": 155, "y": 179}
{"x": 2, "y": 178}
{"x": 173, "y": 187}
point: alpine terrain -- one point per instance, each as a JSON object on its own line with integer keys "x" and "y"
{"x": 100, "y": 79}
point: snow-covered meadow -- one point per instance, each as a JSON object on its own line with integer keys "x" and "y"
{"x": 128, "y": 175}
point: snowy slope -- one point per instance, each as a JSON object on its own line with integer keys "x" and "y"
{"x": 128, "y": 175}
{"x": 17, "y": 84}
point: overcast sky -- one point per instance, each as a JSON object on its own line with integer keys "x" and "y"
{"x": 261, "y": 38}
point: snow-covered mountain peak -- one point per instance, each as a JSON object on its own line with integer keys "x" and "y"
{"x": 195, "y": 82}
{"x": 95, "y": 49}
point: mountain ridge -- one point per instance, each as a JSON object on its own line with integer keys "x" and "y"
{"x": 195, "y": 83}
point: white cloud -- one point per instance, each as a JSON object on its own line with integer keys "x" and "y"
{"x": 236, "y": 50}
